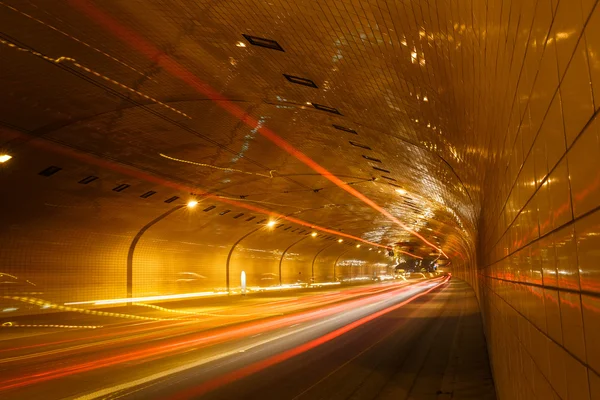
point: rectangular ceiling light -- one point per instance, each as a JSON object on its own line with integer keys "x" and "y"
{"x": 250, "y": 219}
{"x": 237, "y": 216}
{"x": 371, "y": 159}
{"x": 300, "y": 81}
{"x": 207, "y": 209}
{"x": 343, "y": 128}
{"x": 327, "y": 109}
{"x": 388, "y": 178}
{"x": 171, "y": 199}
{"x": 362, "y": 146}
{"x": 262, "y": 42}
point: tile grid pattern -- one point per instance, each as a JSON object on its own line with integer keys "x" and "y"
{"x": 538, "y": 287}
{"x": 514, "y": 85}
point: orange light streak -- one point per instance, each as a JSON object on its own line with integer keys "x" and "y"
{"x": 286, "y": 355}
{"x": 202, "y": 340}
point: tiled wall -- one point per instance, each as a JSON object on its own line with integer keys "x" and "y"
{"x": 539, "y": 259}
{"x": 515, "y": 85}
{"x": 63, "y": 241}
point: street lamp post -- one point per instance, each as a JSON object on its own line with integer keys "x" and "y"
{"x": 336, "y": 260}
{"x": 315, "y": 259}
{"x": 136, "y": 240}
{"x": 283, "y": 255}
{"x": 231, "y": 252}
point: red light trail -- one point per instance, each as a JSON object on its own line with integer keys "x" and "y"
{"x": 173, "y": 345}
{"x": 269, "y": 362}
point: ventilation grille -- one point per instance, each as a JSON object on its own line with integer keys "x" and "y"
{"x": 121, "y": 187}
{"x": 148, "y": 194}
{"x": 343, "y": 128}
{"x": 224, "y": 212}
{"x": 327, "y": 109}
{"x": 377, "y": 160}
{"x": 51, "y": 170}
{"x": 388, "y": 178}
{"x": 362, "y": 146}
{"x": 250, "y": 219}
{"x": 87, "y": 180}
{"x": 239, "y": 215}
{"x": 300, "y": 81}
{"x": 262, "y": 42}
{"x": 172, "y": 199}
{"x": 381, "y": 169}
{"x": 207, "y": 209}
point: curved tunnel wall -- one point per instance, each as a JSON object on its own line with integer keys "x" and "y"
{"x": 71, "y": 243}
{"x": 537, "y": 263}
{"x": 518, "y": 81}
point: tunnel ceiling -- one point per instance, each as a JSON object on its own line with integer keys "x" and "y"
{"x": 252, "y": 101}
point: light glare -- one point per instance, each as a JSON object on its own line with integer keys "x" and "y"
{"x": 192, "y": 203}
{"x": 4, "y": 158}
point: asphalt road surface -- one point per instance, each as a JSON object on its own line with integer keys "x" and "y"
{"x": 408, "y": 340}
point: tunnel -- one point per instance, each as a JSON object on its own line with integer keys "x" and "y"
{"x": 248, "y": 164}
